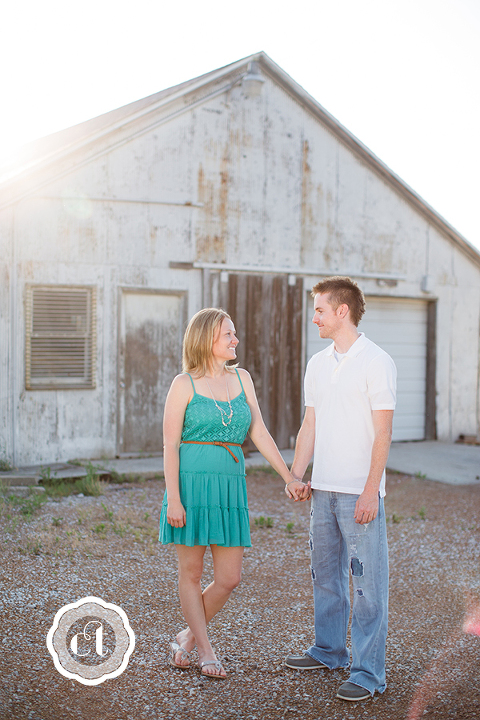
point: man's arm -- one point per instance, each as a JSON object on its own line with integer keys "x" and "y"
{"x": 366, "y": 508}
{"x": 305, "y": 444}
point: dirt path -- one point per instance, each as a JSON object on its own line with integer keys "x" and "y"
{"x": 107, "y": 546}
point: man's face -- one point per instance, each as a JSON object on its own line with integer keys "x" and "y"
{"x": 325, "y": 317}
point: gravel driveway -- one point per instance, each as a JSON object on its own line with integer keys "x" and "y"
{"x": 107, "y": 546}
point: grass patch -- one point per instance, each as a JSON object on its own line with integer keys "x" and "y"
{"x": 262, "y": 522}
{"x": 108, "y": 513}
{"x": 90, "y": 484}
{"x": 26, "y": 506}
{"x": 395, "y": 518}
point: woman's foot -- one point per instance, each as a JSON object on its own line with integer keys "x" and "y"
{"x": 210, "y": 666}
{"x": 212, "y": 669}
{"x": 179, "y": 657}
{"x": 185, "y": 643}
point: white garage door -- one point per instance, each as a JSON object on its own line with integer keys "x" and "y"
{"x": 399, "y": 327}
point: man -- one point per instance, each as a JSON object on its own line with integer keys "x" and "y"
{"x": 350, "y": 391}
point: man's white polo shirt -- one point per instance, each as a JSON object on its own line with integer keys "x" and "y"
{"x": 343, "y": 394}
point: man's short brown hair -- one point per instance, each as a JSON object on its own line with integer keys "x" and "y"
{"x": 342, "y": 290}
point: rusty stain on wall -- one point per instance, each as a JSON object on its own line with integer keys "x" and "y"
{"x": 308, "y": 218}
{"x": 378, "y": 255}
{"x": 211, "y": 232}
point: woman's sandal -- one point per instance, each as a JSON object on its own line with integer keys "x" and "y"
{"x": 174, "y": 649}
{"x": 213, "y": 676}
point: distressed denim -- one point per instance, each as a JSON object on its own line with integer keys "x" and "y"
{"x": 340, "y": 546}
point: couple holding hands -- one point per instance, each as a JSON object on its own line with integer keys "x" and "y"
{"x": 349, "y": 399}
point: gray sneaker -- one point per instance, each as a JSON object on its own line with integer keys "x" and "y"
{"x": 352, "y": 692}
{"x": 304, "y": 662}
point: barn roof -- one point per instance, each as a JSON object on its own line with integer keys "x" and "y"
{"x": 45, "y": 160}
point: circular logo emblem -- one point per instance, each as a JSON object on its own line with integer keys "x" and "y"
{"x": 90, "y": 641}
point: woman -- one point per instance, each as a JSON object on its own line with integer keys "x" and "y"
{"x": 208, "y": 411}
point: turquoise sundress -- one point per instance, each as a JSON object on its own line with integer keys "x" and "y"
{"x": 212, "y": 485}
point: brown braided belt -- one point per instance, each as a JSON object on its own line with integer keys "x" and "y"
{"x": 214, "y": 442}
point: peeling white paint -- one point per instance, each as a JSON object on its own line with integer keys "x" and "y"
{"x": 235, "y": 180}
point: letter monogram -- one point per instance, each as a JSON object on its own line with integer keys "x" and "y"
{"x": 90, "y": 674}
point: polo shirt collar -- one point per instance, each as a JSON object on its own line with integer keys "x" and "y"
{"x": 354, "y": 350}
{"x": 357, "y": 346}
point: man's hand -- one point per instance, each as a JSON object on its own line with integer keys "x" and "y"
{"x": 366, "y": 508}
{"x": 297, "y": 490}
{"x": 307, "y": 491}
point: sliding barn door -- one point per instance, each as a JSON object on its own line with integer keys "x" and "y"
{"x": 267, "y": 313}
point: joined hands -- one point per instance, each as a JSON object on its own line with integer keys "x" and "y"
{"x": 297, "y": 490}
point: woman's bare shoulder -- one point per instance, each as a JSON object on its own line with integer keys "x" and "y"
{"x": 246, "y": 379}
{"x": 181, "y": 378}
{"x": 181, "y": 384}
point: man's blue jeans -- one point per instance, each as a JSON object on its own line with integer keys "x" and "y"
{"x": 339, "y": 545}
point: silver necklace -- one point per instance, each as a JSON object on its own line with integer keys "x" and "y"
{"x": 223, "y": 413}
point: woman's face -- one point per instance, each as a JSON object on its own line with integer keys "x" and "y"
{"x": 225, "y": 342}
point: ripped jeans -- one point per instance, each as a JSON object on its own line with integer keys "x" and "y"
{"x": 340, "y": 546}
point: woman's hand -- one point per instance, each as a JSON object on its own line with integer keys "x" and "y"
{"x": 298, "y": 490}
{"x": 176, "y": 515}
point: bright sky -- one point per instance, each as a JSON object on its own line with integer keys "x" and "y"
{"x": 401, "y": 75}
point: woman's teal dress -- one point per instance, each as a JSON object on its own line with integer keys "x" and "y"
{"x": 213, "y": 490}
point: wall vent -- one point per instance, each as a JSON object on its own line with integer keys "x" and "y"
{"x": 60, "y": 337}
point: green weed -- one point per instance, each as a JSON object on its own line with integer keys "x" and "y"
{"x": 34, "y": 547}
{"x": 119, "y": 529}
{"x": 264, "y": 522}
{"x": 108, "y": 513}
{"x": 5, "y": 464}
{"x": 46, "y": 475}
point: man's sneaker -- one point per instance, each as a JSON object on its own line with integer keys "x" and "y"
{"x": 304, "y": 662}
{"x": 350, "y": 691}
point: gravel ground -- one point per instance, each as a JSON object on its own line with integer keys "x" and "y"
{"x": 107, "y": 546}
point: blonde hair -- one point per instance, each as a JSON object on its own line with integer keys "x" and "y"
{"x": 199, "y": 338}
{"x": 343, "y": 290}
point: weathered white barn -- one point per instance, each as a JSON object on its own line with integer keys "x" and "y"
{"x": 236, "y": 188}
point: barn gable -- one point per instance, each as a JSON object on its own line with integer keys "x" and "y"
{"x": 232, "y": 188}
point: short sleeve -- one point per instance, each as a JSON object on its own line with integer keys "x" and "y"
{"x": 309, "y": 384}
{"x": 382, "y": 383}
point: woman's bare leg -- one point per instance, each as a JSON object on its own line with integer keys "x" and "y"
{"x": 227, "y": 566}
{"x": 190, "y": 569}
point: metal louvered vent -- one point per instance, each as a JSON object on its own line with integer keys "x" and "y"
{"x": 60, "y": 342}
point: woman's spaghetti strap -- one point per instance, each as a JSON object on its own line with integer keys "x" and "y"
{"x": 191, "y": 380}
{"x": 238, "y": 375}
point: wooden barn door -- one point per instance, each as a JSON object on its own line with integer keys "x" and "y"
{"x": 267, "y": 312}
{"x": 150, "y": 348}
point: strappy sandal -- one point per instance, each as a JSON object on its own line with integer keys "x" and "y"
{"x": 217, "y": 664}
{"x": 174, "y": 649}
